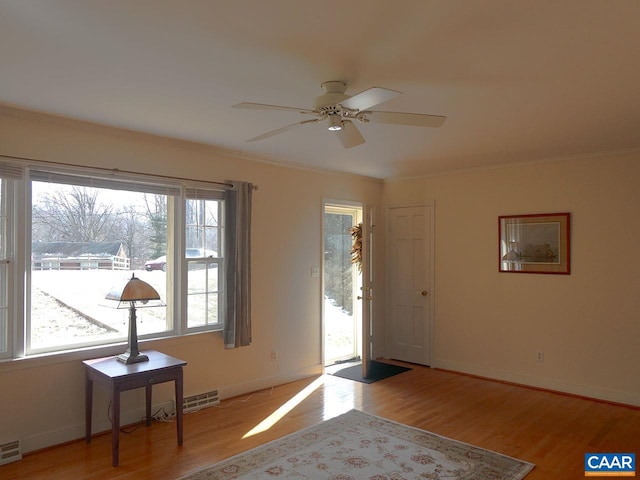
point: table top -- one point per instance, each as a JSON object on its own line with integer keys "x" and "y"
{"x": 112, "y": 368}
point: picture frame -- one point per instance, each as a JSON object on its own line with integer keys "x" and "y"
{"x": 535, "y": 243}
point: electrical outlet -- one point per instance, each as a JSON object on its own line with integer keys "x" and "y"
{"x": 540, "y": 356}
{"x": 274, "y": 355}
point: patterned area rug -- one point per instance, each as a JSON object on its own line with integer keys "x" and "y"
{"x": 359, "y": 446}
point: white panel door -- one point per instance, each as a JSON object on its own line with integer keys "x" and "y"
{"x": 409, "y": 320}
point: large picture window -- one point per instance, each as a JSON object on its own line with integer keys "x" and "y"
{"x": 86, "y": 233}
{"x": 84, "y": 241}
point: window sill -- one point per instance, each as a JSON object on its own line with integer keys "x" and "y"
{"x": 78, "y": 355}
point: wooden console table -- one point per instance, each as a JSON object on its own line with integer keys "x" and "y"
{"x": 118, "y": 377}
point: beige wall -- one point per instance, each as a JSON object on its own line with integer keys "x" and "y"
{"x": 587, "y": 323}
{"x": 486, "y": 323}
{"x": 43, "y": 399}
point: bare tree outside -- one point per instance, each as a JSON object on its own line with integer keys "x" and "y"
{"x": 131, "y": 230}
{"x": 156, "y": 214}
{"x": 72, "y": 215}
{"x": 84, "y": 214}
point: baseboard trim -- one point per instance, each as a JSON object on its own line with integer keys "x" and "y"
{"x": 72, "y": 433}
{"x": 627, "y": 399}
{"x": 264, "y": 383}
{"x": 75, "y": 432}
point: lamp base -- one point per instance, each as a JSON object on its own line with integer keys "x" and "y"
{"x": 129, "y": 358}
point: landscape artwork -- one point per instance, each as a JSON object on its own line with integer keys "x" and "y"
{"x": 534, "y": 243}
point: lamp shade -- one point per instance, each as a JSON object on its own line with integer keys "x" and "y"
{"x": 135, "y": 290}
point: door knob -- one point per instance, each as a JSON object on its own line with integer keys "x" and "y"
{"x": 424, "y": 293}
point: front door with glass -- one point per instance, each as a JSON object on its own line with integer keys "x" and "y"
{"x": 342, "y": 285}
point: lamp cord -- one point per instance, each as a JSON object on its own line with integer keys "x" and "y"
{"x": 165, "y": 417}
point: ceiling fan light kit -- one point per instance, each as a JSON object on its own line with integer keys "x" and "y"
{"x": 335, "y": 123}
{"x": 340, "y": 109}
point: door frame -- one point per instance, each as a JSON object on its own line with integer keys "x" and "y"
{"x": 368, "y": 216}
{"x": 362, "y": 327}
{"x": 432, "y": 293}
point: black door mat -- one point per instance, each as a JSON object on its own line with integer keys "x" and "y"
{"x": 377, "y": 371}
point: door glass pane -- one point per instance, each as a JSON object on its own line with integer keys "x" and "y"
{"x": 340, "y": 281}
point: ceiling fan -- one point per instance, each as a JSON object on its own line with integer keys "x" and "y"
{"x": 340, "y": 110}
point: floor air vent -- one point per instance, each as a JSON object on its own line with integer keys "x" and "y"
{"x": 198, "y": 402}
{"x": 10, "y": 452}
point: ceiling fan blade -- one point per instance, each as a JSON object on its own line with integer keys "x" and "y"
{"x": 263, "y": 106}
{"x": 282, "y": 130}
{"x": 349, "y": 136}
{"x": 368, "y": 98}
{"x": 398, "y": 118}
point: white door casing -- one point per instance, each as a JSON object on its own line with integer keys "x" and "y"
{"x": 367, "y": 288}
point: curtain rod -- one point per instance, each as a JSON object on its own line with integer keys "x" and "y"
{"x": 117, "y": 170}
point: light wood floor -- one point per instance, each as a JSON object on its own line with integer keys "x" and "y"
{"x": 551, "y": 430}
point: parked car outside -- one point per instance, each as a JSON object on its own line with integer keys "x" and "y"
{"x": 160, "y": 263}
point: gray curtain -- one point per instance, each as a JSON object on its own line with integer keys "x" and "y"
{"x": 237, "y": 265}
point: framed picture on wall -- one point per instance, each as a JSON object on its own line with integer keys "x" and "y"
{"x": 537, "y": 243}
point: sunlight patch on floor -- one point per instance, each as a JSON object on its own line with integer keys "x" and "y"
{"x": 276, "y": 416}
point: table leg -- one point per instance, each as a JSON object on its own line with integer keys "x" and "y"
{"x": 115, "y": 428}
{"x": 148, "y": 404}
{"x": 88, "y": 406}
{"x": 179, "y": 404}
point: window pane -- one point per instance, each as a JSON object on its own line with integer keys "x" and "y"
{"x": 202, "y": 236}
{"x": 203, "y": 293}
{"x": 85, "y": 241}
{"x": 3, "y": 221}
{"x": 3, "y": 309}
{"x": 202, "y": 227}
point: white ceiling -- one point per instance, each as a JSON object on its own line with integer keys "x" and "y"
{"x": 518, "y": 80}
